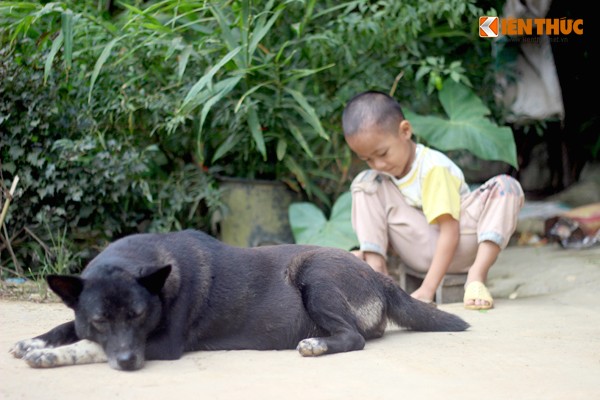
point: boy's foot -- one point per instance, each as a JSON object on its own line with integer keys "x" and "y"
{"x": 477, "y": 297}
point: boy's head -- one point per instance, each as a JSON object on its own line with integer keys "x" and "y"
{"x": 375, "y": 129}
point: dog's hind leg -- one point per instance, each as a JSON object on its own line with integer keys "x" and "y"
{"x": 342, "y": 297}
{"x": 59, "y": 336}
{"x": 330, "y": 311}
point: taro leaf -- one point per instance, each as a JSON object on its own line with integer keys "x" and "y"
{"x": 309, "y": 225}
{"x": 467, "y": 126}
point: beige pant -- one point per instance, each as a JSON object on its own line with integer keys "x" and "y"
{"x": 382, "y": 219}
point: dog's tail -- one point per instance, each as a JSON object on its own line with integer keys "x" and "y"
{"x": 416, "y": 315}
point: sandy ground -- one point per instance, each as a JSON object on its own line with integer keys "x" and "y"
{"x": 542, "y": 341}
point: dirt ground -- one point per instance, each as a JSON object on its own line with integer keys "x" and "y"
{"x": 542, "y": 341}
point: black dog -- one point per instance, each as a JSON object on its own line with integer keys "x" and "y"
{"x": 156, "y": 296}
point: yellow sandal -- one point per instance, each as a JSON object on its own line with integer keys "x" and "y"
{"x": 477, "y": 291}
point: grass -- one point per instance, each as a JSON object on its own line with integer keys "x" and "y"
{"x": 55, "y": 257}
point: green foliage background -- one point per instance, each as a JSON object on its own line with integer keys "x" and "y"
{"x": 119, "y": 116}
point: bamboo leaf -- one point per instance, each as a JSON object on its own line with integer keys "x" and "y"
{"x": 249, "y": 92}
{"x": 18, "y": 5}
{"x": 206, "y": 79}
{"x": 297, "y": 134}
{"x": 296, "y": 74}
{"x": 220, "y": 90}
{"x": 307, "y": 14}
{"x": 149, "y": 21}
{"x": 259, "y": 34}
{"x": 183, "y": 60}
{"x": 50, "y": 59}
{"x": 156, "y": 27}
{"x": 100, "y": 63}
{"x": 299, "y": 173}
{"x": 281, "y": 149}
{"x": 309, "y": 114}
{"x": 227, "y": 35}
{"x": 226, "y": 146}
{"x": 67, "y": 32}
{"x": 244, "y": 28}
{"x": 349, "y": 7}
{"x": 256, "y": 131}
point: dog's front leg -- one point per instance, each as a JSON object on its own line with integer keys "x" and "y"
{"x": 164, "y": 347}
{"x": 81, "y": 352}
{"x": 61, "y": 335}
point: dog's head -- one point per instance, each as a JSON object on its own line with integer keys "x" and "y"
{"x": 116, "y": 310}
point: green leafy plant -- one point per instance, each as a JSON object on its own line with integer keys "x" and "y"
{"x": 467, "y": 126}
{"x": 255, "y": 119}
{"x": 310, "y": 225}
{"x": 96, "y": 169}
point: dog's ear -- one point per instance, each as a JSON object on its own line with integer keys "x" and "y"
{"x": 68, "y": 288}
{"x": 154, "y": 279}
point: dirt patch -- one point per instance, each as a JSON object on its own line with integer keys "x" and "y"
{"x": 27, "y": 290}
{"x": 541, "y": 344}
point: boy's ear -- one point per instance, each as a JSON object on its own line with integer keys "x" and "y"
{"x": 68, "y": 288}
{"x": 154, "y": 278}
{"x": 405, "y": 129}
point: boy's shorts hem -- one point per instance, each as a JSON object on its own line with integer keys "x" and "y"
{"x": 492, "y": 237}
{"x": 373, "y": 248}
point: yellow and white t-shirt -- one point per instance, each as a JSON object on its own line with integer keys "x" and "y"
{"x": 434, "y": 184}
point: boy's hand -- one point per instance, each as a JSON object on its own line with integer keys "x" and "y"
{"x": 359, "y": 253}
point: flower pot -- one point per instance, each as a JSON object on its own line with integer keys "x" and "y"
{"x": 257, "y": 212}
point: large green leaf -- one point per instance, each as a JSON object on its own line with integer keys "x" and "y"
{"x": 310, "y": 226}
{"x": 467, "y": 126}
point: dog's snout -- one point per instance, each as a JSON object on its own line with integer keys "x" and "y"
{"x": 128, "y": 361}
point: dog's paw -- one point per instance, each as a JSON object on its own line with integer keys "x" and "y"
{"x": 41, "y": 358}
{"x": 21, "y": 348}
{"x": 312, "y": 347}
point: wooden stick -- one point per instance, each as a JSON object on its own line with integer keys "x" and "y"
{"x": 13, "y": 187}
{"x": 398, "y": 77}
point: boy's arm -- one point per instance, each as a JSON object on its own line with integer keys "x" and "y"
{"x": 442, "y": 257}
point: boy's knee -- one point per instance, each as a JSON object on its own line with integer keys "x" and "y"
{"x": 367, "y": 181}
{"x": 507, "y": 184}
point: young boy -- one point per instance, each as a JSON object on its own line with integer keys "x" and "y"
{"x": 416, "y": 200}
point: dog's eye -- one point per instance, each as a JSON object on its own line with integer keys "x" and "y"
{"x": 135, "y": 314}
{"x": 100, "y": 323}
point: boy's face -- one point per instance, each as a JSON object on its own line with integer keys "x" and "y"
{"x": 385, "y": 151}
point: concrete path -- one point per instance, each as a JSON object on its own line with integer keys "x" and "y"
{"x": 542, "y": 341}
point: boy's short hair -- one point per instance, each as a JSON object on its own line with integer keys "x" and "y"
{"x": 371, "y": 108}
